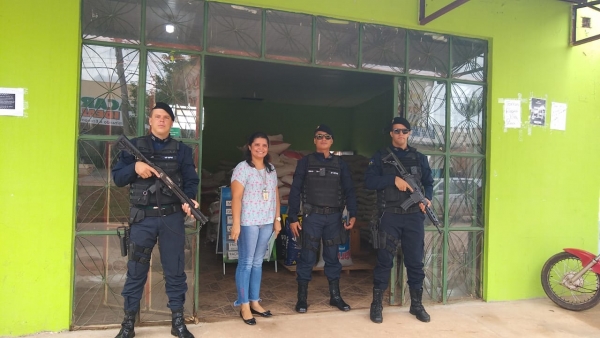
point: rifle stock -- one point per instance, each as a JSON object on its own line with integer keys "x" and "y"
{"x": 123, "y": 143}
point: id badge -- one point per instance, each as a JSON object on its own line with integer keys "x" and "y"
{"x": 265, "y": 194}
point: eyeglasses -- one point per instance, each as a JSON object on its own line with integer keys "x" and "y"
{"x": 320, "y": 136}
{"x": 403, "y": 131}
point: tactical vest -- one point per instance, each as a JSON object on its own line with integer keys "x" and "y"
{"x": 391, "y": 198}
{"x": 322, "y": 186}
{"x": 144, "y": 191}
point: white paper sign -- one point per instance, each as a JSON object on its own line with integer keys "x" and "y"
{"x": 558, "y": 116}
{"x": 11, "y": 101}
{"x": 512, "y": 113}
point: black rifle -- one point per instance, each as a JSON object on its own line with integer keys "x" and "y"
{"x": 417, "y": 195}
{"x": 123, "y": 143}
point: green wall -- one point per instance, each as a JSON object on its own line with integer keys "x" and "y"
{"x": 39, "y": 51}
{"x": 542, "y": 192}
{"x": 229, "y": 123}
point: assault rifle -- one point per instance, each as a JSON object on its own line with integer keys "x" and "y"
{"x": 123, "y": 143}
{"x": 417, "y": 195}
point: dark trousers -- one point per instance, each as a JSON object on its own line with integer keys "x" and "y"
{"x": 410, "y": 230}
{"x": 170, "y": 232}
{"x": 315, "y": 227}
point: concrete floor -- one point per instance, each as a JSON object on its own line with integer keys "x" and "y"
{"x": 527, "y": 318}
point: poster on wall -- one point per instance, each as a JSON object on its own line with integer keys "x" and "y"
{"x": 11, "y": 101}
{"x": 537, "y": 112}
{"x": 512, "y": 113}
{"x": 558, "y": 116}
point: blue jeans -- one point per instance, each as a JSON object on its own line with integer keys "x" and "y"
{"x": 252, "y": 246}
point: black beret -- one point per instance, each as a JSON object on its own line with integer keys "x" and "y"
{"x": 400, "y": 120}
{"x": 165, "y": 107}
{"x": 324, "y": 128}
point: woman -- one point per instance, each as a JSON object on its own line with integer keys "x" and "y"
{"x": 255, "y": 208}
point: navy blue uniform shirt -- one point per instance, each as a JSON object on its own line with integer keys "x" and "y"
{"x": 123, "y": 172}
{"x": 300, "y": 174}
{"x": 375, "y": 180}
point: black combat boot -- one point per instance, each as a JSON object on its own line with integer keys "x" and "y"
{"x": 416, "y": 306}
{"x": 377, "y": 306}
{"x": 335, "y": 298}
{"x": 301, "y": 305}
{"x": 127, "y": 325}
{"x": 178, "y": 328}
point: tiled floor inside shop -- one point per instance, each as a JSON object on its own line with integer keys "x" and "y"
{"x": 279, "y": 289}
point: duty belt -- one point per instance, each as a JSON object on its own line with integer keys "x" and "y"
{"x": 154, "y": 211}
{"x": 400, "y": 211}
{"x": 325, "y": 210}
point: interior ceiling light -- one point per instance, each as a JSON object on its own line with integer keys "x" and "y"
{"x": 169, "y": 28}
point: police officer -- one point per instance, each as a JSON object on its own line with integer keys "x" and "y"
{"x": 324, "y": 184}
{"x": 396, "y": 225}
{"x": 155, "y": 212}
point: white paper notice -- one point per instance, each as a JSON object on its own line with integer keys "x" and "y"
{"x": 512, "y": 113}
{"x": 558, "y": 116}
{"x": 11, "y": 101}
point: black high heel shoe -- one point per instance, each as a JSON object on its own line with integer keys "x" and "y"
{"x": 250, "y": 321}
{"x": 265, "y": 314}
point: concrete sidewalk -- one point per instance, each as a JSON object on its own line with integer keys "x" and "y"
{"x": 528, "y": 318}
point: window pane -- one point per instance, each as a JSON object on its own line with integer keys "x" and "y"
{"x": 100, "y": 273}
{"x": 337, "y": 42}
{"x": 428, "y": 54}
{"x": 436, "y": 163}
{"x": 175, "y": 24}
{"x": 288, "y": 36}
{"x": 383, "y": 48}
{"x": 99, "y": 201}
{"x": 466, "y": 118}
{"x": 433, "y": 254}
{"x": 465, "y": 194}
{"x": 109, "y": 80}
{"x": 175, "y": 80}
{"x": 426, "y": 113}
{"x": 465, "y": 254}
{"x": 468, "y": 59}
{"x": 234, "y": 29}
{"x": 111, "y": 20}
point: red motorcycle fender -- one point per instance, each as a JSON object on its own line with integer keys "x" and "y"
{"x": 585, "y": 257}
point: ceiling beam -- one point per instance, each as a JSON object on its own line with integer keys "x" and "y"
{"x": 423, "y": 19}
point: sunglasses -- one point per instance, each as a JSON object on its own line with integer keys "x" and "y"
{"x": 320, "y": 136}
{"x": 403, "y": 131}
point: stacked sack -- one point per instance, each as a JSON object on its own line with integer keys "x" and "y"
{"x": 209, "y": 182}
{"x": 366, "y": 199}
{"x": 285, "y": 162}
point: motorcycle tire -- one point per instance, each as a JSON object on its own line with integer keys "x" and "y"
{"x": 579, "y": 295}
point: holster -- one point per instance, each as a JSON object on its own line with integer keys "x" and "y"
{"x": 136, "y": 215}
{"x": 123, "y": 239}
{"x": 344, "y": 235}
{"x": 378, "y": 242}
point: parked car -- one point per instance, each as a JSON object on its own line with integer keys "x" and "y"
{"x": 464, "y": 198}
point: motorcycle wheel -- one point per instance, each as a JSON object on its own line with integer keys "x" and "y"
{"x": 578, "y": 295}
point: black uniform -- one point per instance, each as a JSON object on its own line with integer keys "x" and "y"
{"x": 150, "y": 222}
{"x": 404, "y": 227}
{"x": 325, "y": 186}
